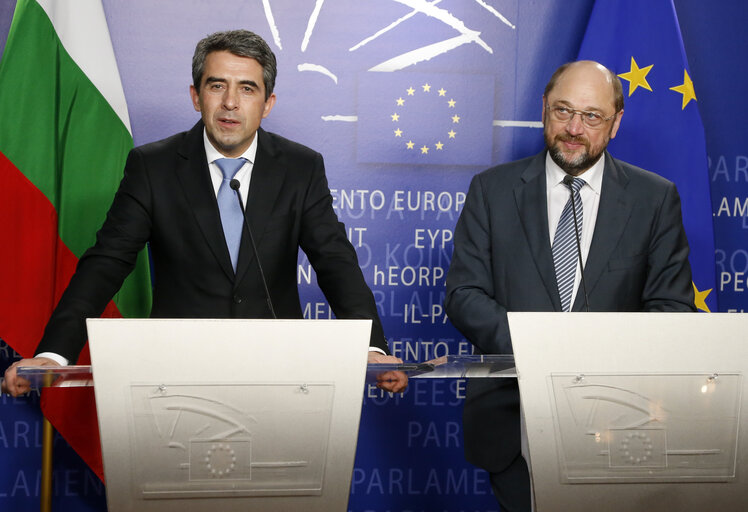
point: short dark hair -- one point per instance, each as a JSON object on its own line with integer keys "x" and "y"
{"x": 242, "y": 43}
{"x": 617, "y": 87}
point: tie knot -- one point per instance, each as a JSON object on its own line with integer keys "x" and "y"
{"x": 230, "y": 166}
{"x": 577, "y": 183}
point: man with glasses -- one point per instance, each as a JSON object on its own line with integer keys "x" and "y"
{"x": 521, "y": 243}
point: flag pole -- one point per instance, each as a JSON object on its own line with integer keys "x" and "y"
{"x": 45, "y": 504}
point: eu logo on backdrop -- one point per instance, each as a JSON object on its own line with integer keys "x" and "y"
{"x": 425, "y": 118}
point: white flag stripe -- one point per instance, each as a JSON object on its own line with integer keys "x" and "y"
{"x": 81, "y": 26}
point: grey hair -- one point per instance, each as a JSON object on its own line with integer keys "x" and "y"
{"x": 242, "y": 43}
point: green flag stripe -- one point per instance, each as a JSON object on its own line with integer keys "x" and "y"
{"x": 58, "y": 129}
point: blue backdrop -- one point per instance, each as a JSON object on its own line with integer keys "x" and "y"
{"x": 461, "y": 81}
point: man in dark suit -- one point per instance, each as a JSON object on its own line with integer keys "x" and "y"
{"x": 171, "y": 197}
{"x": 509, "y": 248}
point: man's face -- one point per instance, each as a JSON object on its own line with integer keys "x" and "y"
{"x": 231, "y": 101}
{"x": 572, "y": 145}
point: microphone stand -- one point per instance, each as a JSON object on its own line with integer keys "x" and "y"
{"x": 235, "y": 186}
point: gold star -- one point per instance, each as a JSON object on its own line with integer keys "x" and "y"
{"x": 439, "y": 145}
{"x": 451, "y": 134}
{"x": 455, "y": 119}
{"x": 637, "y": 77}
{"x": 442, "y": 92}
{"x": 395, "y": 117}
{"x": 700, "y": 298}
{"x": 451, "y": 103}
{"x": 410, "y": 91}
{"x": 686, "y": 89}
{"x": 426, "y": 88}
{"x": 400, "y": 102}
{"x": 424, "y": 150}
{"x": 410, "y": 144}
{"x": 398, "y": 132}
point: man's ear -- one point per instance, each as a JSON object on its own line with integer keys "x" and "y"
{"x": 616, "y": 124}
{"x": 269, "y": 104}
{"x": 195, "y": 98}
{"x": 542, "y": 114}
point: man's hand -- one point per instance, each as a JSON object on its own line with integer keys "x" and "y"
{"x": 394, "y": 381}
{"x": 15, "y": 385}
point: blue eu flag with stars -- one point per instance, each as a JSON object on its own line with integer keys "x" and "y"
{"x": 661, "y": 129}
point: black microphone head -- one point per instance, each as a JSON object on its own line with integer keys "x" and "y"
{"x": 568, "y": 179}
{"x": 234, "y": 184}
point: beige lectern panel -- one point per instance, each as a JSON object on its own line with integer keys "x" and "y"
{"x": 210, "y": 440}
{"x": 656, "y": 427}
{"x": 250, "y": 415}
{"x": 634, "y": 411}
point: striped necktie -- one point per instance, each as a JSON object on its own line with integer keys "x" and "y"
{"x": 565, "y": 246}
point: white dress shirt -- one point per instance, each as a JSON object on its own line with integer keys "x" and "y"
{"x": 243, "y": 175}
{"x": 558, "y": 195}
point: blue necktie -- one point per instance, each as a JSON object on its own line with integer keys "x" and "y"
{"x": 228, "y": 206}
{"x": 565, "y": 247}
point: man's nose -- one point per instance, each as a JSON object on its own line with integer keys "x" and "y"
{"x": 575, "y": 126}
{"x": 229, "y": 99}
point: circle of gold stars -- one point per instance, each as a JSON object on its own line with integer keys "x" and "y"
{"x": 453, "y": 119}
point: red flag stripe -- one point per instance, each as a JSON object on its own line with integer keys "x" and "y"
{"x": 31, "y": 286}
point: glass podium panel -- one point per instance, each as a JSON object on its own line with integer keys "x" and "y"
{"x": 646, "y": 427}
{"x": 452, "y": 367}
{"x": 58, "y": 376}
{"x": 446, "y": 367}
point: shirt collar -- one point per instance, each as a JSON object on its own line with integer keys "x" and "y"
{"x": 213, "y": 154}
{"x": 592, "y": 176}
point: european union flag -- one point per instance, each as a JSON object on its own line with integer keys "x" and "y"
{"x": 419, "y": 118}
{"x": 661, "y": 130}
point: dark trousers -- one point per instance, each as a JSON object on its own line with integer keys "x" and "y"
{"x": 512, "y": 487}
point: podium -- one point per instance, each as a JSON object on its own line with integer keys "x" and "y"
{"x": 623, "y": 411}
{"x": 251, "y": 415}
{"x": 634, "y": 411}
{"x": 228, "y": 414}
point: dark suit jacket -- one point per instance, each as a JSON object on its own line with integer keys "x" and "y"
{"x": 166, "y": 199}
{"x": 638, "y": 261}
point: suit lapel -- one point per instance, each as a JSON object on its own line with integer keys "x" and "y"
{"x": 194, "y": 178}
{"x": 612, "y": 216}
{"x": 264, "y": 186}
{"x": 532, "y": 201}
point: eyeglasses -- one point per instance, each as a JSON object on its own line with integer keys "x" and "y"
{"x": 589, "y": 119}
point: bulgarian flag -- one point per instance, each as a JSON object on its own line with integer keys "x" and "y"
{"x": 64, "y": 137}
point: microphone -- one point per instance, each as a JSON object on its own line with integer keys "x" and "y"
{"x": 234, "y": 184}
{"x": 568, "y": 180}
